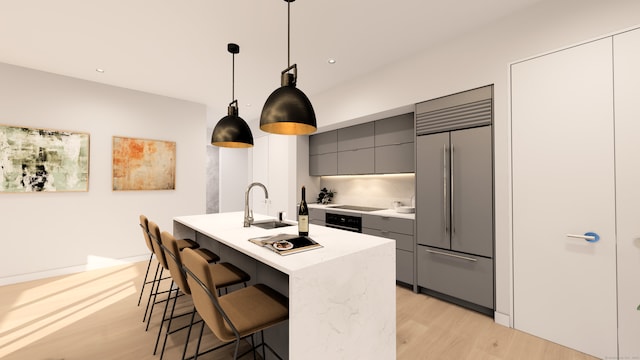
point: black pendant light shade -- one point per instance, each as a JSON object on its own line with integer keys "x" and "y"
{"x": 232, "y": 131}
{"x": 288, "y": 110}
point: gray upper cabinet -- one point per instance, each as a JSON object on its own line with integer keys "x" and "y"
{"x": 379, "y": 147}
{"x": 356, "y": 137}
{"x": 355, "y": 149}
{"x": 394, "y": 151}
{"x": 323, "y": 143}
{"x": 394, "y": 130}
{"x": 323, "y": 164}
{"x": 323, "y": 156}
{"x": 356, "y": 162}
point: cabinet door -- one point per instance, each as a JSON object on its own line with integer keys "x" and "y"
{"x": 392, "y": 159}
{"x": 323, "y": 143}
{"x": 394, "y": 130}
{"x": 404, "y": 266}
{"x": 472, "y": 191}
{"x": 627, "y": 89}
{"x": 432, "y": 202}
{"x": 323, "y": 164}
{"x": 563, "y": 184}
{"x": 356, "y": 137}
{"x": 356, "y": 162}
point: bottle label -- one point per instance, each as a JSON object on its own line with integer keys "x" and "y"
{"x": 303, "y": 223}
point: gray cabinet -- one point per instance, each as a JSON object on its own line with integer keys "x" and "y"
{"x": 356, "y": 162}
{"x": 323, "y": 153}
{"x": 394, "y": 150}
{"x": 454, "y": 197}
{"x": 317, "y": 216}
{"x": 391, "y": 159}
{"x": 400, "y": 230}
{"x": 355, "y": 149}
{"x": 323, "y": 164}
{"x": 394, "y": 130}
{"x": 379, "y": 147}
{"x": 323, "y": 143}
{"x": 356, "y": 137}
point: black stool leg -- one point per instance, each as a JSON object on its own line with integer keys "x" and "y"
{"x": 146, "y": 275}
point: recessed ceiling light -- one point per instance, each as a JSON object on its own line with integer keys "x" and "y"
{"x": 331, "y": 61}
{"x": 100, "y": 70}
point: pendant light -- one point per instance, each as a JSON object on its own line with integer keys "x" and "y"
{"x": 288, "y": 110}
{"x": 231, "y": 131}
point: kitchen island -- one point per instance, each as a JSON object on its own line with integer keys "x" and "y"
{"x": 342, "y": 302}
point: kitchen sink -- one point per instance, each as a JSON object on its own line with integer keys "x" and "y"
{"x": 271, "y": 224}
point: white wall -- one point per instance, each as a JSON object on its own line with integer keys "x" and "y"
{"x": 51, "y": 233}
{"x": 478, "y": 59}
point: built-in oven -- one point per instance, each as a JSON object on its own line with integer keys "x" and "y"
{"x": 343, "y": 222}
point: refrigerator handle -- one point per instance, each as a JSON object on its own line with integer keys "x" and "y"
{"x": 453, "y": 220}
{"x": 444, "y": 189}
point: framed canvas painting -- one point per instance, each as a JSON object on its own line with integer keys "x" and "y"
{"x": 43, "y": 160}
{"x": 142, "y": 164}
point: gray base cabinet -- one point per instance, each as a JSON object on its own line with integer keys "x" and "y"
{"x": 400, "y": 230}
{"x": 317, "y": 217}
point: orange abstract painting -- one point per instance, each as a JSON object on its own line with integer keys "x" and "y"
{"x": 140, "y": 164}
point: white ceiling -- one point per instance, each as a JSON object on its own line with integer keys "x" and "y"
{"x": 179, "y": 48}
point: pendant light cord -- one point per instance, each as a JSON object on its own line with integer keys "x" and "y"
{"x": 288, "y": 33}
{"x": 233, "y": 76}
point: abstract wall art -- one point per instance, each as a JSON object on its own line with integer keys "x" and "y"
{"x": 141, "y": 164}
{"x": 43, "y": 160}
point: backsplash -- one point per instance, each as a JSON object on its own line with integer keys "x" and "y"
{"x": 369, "y": 190}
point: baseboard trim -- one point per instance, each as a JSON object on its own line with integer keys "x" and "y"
{"x": 502, "y": 319}
{"x": 99, "y": 263}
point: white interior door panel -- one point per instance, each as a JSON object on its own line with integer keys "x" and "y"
{"x": 563, "y": 183}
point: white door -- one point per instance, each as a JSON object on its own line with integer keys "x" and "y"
{"x": 563, "y": 184}
{"x": 627, "y": 89}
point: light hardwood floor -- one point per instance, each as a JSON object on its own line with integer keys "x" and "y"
{"x": 93, "y": 315}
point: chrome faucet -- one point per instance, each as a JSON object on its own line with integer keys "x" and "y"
{"x": 248, "y": 213}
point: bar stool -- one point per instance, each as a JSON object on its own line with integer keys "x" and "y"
{"x": 144, "y": 225}
{"x": 225, "y": 273}
{"x": 236, "y": 315}
{"x": 154, "y": 236}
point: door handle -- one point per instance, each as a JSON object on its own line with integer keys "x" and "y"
{"x": 451, "y": 255}
{"x": 444, "y": 189}
{"x": 453, "y": 210}
{"x": 588, "y": 236}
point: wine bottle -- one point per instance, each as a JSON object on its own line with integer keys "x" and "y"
{"x": 303, "y": 216}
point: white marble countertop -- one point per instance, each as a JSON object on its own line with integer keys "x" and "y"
{"x": 383, "y": 212}
{"x": 227, "y": 228}
{"x": 342, "y": 299}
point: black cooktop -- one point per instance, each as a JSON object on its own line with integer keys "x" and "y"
{"x": 356, "y": 208}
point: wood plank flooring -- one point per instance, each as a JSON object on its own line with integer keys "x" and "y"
{"x": 93, "y": 315}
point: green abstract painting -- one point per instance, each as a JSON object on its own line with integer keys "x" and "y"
{"x": 41, "y": 160}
